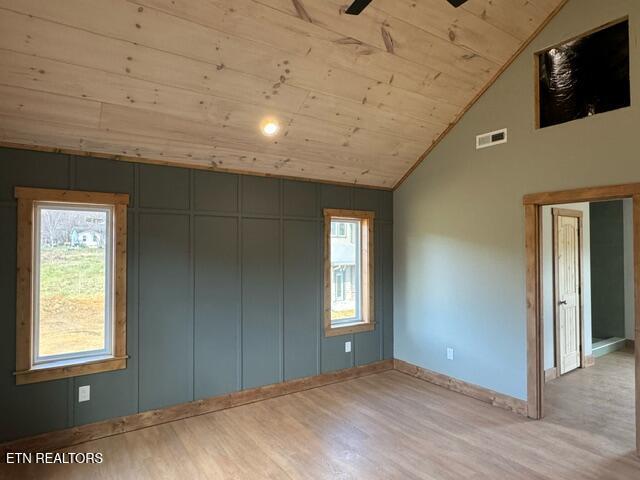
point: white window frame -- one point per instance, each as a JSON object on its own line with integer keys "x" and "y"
{"x": 352, "y": 225}
{"x": 109, "y": 291}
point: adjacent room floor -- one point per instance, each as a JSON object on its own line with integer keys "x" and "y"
{"x": 598, "y": 401}
{"x": 386, "y": 426}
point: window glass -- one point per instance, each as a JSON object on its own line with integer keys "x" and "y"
{"x": 73, "y": 281}
{"x": 585, "y": 76}
{"x": 346, "y": 269}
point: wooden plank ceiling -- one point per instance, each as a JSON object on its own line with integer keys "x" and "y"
{"x": 359, "y": 98}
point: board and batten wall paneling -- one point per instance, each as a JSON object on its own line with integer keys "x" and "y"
{"x": 260, "y": 196}
{"x": 224, "y": 287}
{"x": 215, "y": 192}
{"x": 300, "y": 199}
{"x": 261, "y": 302}
{"x": 24, "y": 167}
{"x": 300, "y": 296}
{"x": 42, "y": 405}
{"x": 166, "y": 317}
{"x": 217, "y": 303}
{"x": 163, "y": 188}
{"x": 95, "y": 176}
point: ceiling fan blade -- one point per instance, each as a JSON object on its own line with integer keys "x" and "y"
{"x": 357, "y": 7}
{"x": 456, "y": 3}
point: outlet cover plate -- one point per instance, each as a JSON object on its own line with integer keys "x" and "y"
{"x": 84, "y": 393}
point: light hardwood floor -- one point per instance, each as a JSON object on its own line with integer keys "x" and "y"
{"x": 388, "y": 425}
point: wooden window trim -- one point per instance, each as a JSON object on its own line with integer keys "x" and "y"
{"x": 367, "y": 323}
{"x": 26, "y": 372}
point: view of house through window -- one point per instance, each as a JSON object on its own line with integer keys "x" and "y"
{"x": 72, "y": 317}
{"x": 346, "y": 277}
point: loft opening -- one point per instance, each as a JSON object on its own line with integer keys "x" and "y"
{"x": 584, "y": 76}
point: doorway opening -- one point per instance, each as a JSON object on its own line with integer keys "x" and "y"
{"x": 582, "y": 303}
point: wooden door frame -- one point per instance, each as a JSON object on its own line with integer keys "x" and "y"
{"x": 565, "y": 212}
{"x": 532, "y": 212}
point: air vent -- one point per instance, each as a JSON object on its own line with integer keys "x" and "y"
{"x": 490, "y": 139}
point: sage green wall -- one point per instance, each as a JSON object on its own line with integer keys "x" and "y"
{"x": 629, "y": 295}
{"x": 607, "y": 269}
{"x": 459, "y": 266}
{"x": 224, "y": 287}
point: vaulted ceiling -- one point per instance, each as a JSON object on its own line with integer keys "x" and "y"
{"x": 359, "y": 98}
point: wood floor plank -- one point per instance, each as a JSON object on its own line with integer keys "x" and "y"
{"x": 389, "y": 425}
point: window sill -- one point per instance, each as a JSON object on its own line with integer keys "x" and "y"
{"x": 348, "y": 328}
{"x": 66, "y": 369}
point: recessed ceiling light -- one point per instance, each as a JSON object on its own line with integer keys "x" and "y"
{"x": 269, "y": 127}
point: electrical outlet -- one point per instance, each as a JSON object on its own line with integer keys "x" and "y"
{"x": 84, "y": 393}
{"x": 449, "y": 353}
{"x": 347, "y": 347}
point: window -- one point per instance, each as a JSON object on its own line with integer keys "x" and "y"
{"x": 71, "y": 296}
{"x": 348, "y": 271}
{"x": 584, "y": 76}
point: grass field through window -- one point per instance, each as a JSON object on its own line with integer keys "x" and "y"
{"x": 72, "y": 299}
{"x": 342, "y": 314}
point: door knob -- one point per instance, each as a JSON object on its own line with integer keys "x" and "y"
{"x": 562, "y": 302}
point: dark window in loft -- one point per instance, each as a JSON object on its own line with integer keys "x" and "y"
{"x": 585, "y": 76}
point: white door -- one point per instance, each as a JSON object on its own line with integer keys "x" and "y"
{"x": 568, "y": 291}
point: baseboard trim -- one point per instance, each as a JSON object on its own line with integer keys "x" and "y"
{"x": 550, "y": 374}
{"x": 589, "y": 361}
{"x": 474, "y": 391}
{"x": 84, "y": 433}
